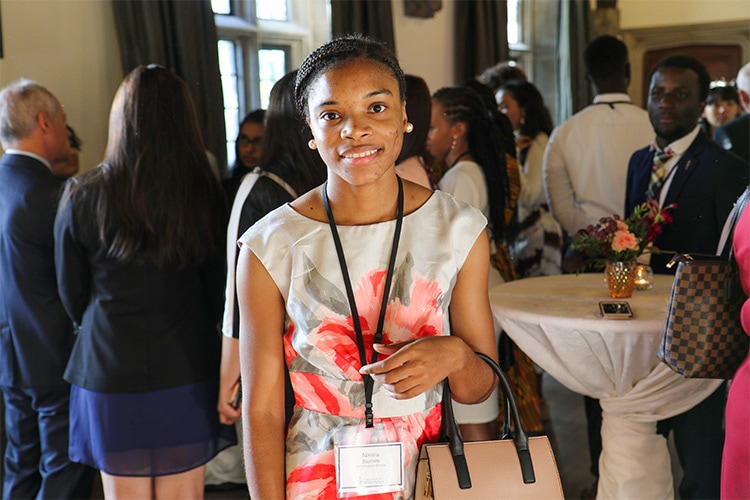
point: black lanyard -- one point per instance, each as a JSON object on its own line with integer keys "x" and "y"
{"x": 611, "y": 104}
{"x": 350, "y": 293}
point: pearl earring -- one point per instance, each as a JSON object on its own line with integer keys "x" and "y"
{"x": 453, "y": 144}
{"x": 311, "y": 144}
{"x": 409, "y": 127}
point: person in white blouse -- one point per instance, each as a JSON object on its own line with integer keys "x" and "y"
{"x": 464, "y": 136}
{"x": 586, "y": 159}
{"x": 537, "y": 246}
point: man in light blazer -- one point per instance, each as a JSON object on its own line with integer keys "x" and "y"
{"x": 35, "y": 333}
{"x": 704, "y": 181}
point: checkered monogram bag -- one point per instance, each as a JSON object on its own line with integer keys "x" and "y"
{"x": 704, "y": 337}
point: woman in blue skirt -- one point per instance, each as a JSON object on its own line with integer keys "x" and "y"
{"x": 139, "y": 257}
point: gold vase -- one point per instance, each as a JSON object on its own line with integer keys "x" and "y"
{"x": 621, "y": 278}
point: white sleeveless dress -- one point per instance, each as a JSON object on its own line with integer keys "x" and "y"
{"x": 320, "y": 343}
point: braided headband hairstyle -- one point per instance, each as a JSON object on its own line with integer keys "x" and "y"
{"x": 339, "y": 51}
{"x": 462, "y": 104}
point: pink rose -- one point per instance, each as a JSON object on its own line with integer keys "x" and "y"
{"x": 621, "y": 225}
{"x": 624, "y": 240}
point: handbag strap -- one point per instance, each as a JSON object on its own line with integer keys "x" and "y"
{"x": 453, "y": 437}
{"x": 728, "y": 230}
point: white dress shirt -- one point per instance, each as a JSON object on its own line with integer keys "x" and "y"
{"x": 586, "y": 160}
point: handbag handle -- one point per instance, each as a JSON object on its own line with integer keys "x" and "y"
{"x": 728, "y": 230}
{"x": 451, "y": 434}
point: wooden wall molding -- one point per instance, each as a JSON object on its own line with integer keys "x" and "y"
{"x": 642, "y": 40}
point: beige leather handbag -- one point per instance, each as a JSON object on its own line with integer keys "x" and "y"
{"x": 516, "y": 466}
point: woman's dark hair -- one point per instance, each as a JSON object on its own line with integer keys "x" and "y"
{"x": 462, "y": 104}
{"x": 723, "y": 92}
{"x": 496, "y": 76}
{"x": 285, "y": 150}
{"x": 502, "y": 121}
{"x": 341, "y": 50}
{"x": 155, "y": 197}
{"x": 530, "y": 99}
{"x": 73, "y": 139}
{"x": 418, "y": 110}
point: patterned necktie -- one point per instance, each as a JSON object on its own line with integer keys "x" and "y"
{"x": 658, "y": 173}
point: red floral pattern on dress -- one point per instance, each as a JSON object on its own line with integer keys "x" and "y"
{"x": 324, "y": 394}
{"x": 315, "y": 477}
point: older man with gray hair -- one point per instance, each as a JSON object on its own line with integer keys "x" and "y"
{"x": 35, "y": 333}
{"x": 735, "y": 135}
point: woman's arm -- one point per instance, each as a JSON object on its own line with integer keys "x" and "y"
{"x": 262, "y": 367}
{"x": 416, "y": 366}
{"x": 71, "y": 262}
{"x": 532, "y": 185}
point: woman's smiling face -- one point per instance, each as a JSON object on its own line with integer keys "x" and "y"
{"x": 357, "y": 119}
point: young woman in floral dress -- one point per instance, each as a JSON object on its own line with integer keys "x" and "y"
{"x": 314, "y": 277}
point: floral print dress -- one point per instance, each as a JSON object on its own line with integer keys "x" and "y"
{"x": 320, "y": 344}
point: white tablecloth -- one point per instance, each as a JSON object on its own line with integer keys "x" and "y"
{"x": 556, "y": 321}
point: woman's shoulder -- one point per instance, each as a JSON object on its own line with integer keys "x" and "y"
{"x": 452, "y": 209}
{"x": 413, "y": 169}
{"x": 84, "y": 188}
{"x": 541, "y": 140}
{"x": 464, "y": 168}
{"x": 464, "y": 173}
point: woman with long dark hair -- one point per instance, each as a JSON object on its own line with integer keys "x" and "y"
{"x": 139, "y": 251}
{"x": 411, "y": 164}
{"x": 289, "y": 168}
{"x": 464, "y": 135}
{"x": 537, "y": 247}
{"x": 379, "y": 285}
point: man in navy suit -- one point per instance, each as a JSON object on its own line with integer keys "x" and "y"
{"x": 704, "y": 181}
{"x": 735, "y": 135}
{"x": 35, "y": 333}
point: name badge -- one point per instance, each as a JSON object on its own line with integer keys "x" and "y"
{"x": 369, "y": 468}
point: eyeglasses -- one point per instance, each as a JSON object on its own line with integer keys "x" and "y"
{"x": 243, "y": 141}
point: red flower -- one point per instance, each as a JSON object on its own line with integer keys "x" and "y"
{"x": 615, "y": 239}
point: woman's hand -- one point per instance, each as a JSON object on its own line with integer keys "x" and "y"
{"x": 228, "y": 414}
{"x": 414, "y": 366}
{"x": 229, "y": 375}
{"x": 523, "y": 142}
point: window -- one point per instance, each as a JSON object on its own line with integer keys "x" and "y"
{"x": 259, "y": 42}
{"x": 514, "y": 22}
{"x": 273, "y": 64}
{"x": 518, "y": 21}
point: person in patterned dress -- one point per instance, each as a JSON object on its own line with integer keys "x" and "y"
{"x": 371, "y": 289}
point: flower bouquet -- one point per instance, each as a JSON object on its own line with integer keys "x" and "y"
{"x": 615, "y": 244}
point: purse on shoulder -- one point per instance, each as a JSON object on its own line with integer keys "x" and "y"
{"x": 516, "y": 466}
{"x": 703, "y": 336}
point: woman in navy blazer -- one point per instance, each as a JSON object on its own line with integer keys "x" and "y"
{"x": 139, "y": 256}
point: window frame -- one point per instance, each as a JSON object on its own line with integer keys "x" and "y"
{"x": 308, "y": 26}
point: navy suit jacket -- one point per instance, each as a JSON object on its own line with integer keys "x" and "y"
{"x": 735, "y": 136}
{"x": 705, "y": 186}
{"x": 36, "y": 334}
